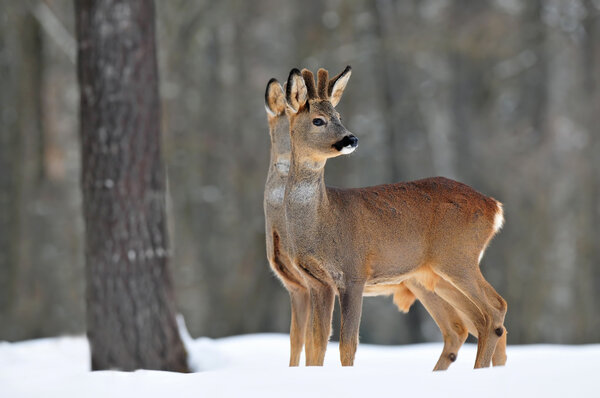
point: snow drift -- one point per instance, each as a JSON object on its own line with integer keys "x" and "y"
{"x": 256, "y": 366}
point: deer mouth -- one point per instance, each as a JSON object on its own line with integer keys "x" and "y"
{"x": 347, "y": 144}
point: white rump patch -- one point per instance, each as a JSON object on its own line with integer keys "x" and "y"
{"x": 499, "y": 217}
{"x": 480, "y": 256}
{"x": 348, "y": 149}
{"x": 303, "y": 192}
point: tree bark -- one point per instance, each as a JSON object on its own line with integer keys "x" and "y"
{"x": 130, "y": 301}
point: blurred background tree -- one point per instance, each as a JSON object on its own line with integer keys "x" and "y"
{"x": 130, "y": 303}
{"x": 500, "y": 94}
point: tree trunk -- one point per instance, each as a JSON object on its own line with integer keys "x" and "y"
{"x": 130, "y": 300}
{"x": 10, "y": 148}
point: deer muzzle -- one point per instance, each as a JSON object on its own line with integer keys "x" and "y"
{"x": 347, "y": 144}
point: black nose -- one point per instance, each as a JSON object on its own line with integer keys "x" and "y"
{"x": 353, "y": 140}
{"x": 348, "y": 140}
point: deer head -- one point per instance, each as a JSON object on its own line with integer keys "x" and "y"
{"x": 315, "y": 127}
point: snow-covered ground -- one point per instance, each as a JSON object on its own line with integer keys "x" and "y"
{"x": 256, "y": 366}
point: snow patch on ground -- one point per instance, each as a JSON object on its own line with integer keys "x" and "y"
{"x": 256, "y": 366}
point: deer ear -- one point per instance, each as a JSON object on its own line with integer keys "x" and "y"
{"x": 296, "y": 94}
{"x": 274, "y": 98}
{"x": 337, "y": 85}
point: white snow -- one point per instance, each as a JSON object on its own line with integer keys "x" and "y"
{"x": 256, "y": 366}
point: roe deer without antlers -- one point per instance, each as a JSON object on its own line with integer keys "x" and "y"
{"x": 277, "y": 252}
{"x": 348, "y": 241}
{"x": 454, "y": 330}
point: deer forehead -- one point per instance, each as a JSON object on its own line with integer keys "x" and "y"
{"x": 324, "y": 108}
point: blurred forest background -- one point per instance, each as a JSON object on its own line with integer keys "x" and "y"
{"x": 503, "y": 95}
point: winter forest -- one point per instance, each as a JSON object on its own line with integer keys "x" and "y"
{"x": 502, "y": 95}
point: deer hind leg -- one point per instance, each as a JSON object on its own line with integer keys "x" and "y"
{"x": 322, "y": 299}
{"x": 454, "y": 330}
{"x": 492, "y": 307}
{"x": 300, "y": 301}
{"x": 499, "y": 358}
{"x": 351, "y": 297}
{"x": 472, "y": 317}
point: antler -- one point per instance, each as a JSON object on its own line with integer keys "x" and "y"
{"x": 323, "y": 80}
{"x": 324, "y": 90}
{"x": 309, "y": 81}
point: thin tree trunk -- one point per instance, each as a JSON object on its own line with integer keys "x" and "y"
{"x": 130, "y": 301}
{"x": 11, "y": 164}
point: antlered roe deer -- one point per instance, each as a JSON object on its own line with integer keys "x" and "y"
{"x": 347, "y": 241}
{"x": 453, "y": 329}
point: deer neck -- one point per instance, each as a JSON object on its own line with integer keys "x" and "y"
{"x": 305, "y": 188}
{"x": 306, "y": 203}
{"x": 276, "y": 178}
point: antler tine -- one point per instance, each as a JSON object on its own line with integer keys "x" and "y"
{"x": 323, "y": 76}
{"x": 309, "y": 80}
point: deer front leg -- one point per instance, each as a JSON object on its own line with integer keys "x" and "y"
{"x": 322, "y": 299}
{"x": 351, "y": 297}
{"x": 300, "y": 301}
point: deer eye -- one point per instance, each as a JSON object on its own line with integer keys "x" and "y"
{"x": 318, "y": 121}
